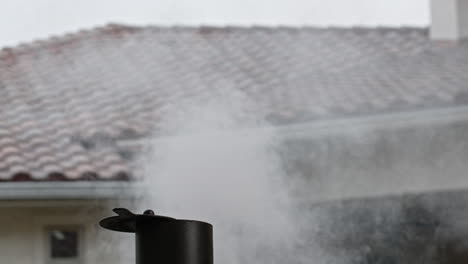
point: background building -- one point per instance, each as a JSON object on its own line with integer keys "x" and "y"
{"x": 373, "y": 114}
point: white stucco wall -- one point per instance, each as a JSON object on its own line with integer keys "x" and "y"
{"x": 23, "y": 233}
{"x": 16, "y": 244}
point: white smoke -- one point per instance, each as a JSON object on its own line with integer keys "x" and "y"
{"x": 218, "y": 163}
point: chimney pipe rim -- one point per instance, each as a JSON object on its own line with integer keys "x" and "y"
{"x": 126, "y": 221}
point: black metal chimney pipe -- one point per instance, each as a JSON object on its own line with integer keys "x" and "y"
{"x": 164, "y": 240}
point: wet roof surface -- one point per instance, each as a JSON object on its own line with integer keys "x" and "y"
{"x": 60, "y": 96}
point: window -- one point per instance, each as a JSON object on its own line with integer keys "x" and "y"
{"x": 63, "y": 245}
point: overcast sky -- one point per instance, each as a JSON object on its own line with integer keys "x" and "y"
{"x": 26, "y": 20}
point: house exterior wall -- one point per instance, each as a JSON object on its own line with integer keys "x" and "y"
{"x": 16, "y": 243}
{"x": 417, "y": 228}
{"x": 23, "y": 237}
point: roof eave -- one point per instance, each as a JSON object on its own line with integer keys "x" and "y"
{"x": 66, "y": 190}
{"x": 378, "y": 121}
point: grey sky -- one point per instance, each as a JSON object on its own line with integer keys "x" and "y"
{"x": 26, "y": 20}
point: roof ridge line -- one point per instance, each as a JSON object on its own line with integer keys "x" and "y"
{"x": 282, "y": 26}
{"x": 62, "y": 37}
{"x": 117, "y": 27}
{"x": 278, "y": 25}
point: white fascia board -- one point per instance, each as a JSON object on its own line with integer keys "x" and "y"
{"x": 66, "y": 190}
{"x": 381, "y": 121}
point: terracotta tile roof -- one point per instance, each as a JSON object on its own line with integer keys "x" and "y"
{"x": 112, "y": 83}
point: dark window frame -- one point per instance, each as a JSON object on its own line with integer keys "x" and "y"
{"x": 50, "y": 259}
